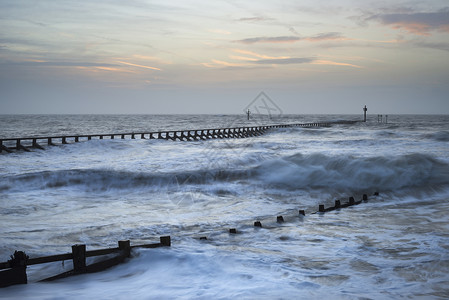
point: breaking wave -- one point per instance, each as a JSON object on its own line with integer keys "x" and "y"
{"x": 297, "y": 171}
{"x": 354, "y": 173}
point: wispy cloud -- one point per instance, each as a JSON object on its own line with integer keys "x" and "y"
{"x": 138, "y": 66}
{"x": 419, "y": 23}
{"x": 326, "y": 36}
{"x": 220, "y": 63}
{"x": 285, "y": 61}
{"x": 255, "y": 19}
{"x": 254, "y": 58}
{"x": 43, "y": 63}
{"x": 333, "y": 63}
{"x": 265, "y": 39}
{"x": 255, "y": 54}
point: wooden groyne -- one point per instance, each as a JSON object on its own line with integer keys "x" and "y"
{"x": 14, "y": 270}
{"x": 26, "y": 143}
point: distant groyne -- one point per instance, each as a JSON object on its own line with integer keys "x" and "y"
{"x": 26, "y": 143}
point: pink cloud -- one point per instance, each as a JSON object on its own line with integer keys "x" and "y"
{"x": 416, "y": 23}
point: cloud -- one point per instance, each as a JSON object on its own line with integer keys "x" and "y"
{"x": 139, "y": 66}
{"x": 37, "y": 62}
{"x": 326, "y": 36}
{"x": 219, "y": 63}
{"x": 333, "y": 63}
{"x": 419, "y": 23}
{"x": 275, "y": 39}
{"x": 285, "y": 61}
{"x": 255, "y": 19}
{"x": 252, "y": 53}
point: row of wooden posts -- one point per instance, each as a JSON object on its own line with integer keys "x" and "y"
{"x": 25, "y": 143}
{"x": 14, "y": 270}
{"x": 321, "y": 209}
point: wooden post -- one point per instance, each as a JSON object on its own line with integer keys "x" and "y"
{"x": 302, "y": 212}
{"x": 233, "y": 230}
{"x": 365, "y": 197}
{"x": 280, "y": 219}
{"x": 125, "y": 247}
{"x": 36, "y": 145}
{"x": 89, "y": 137}
{"x": 64, "y": 140}
{"x": 165, "y": 240}
{"x": 337, "y": 203}
{"x": 351, "y": 201}
{"x": 17, "y": 274}
{"x": 20, "y": 146}
{"x": 79, "y": 258}
{"x": 321, "y": 208}
{"x": 257, "y": 224}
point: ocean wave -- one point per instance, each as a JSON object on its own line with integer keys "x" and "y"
{"x": 354, "y": 173}
{"x": 295, "y": 172}
{"x": 440, "y": 136}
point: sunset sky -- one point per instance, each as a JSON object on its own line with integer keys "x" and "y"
{"x": 138, "y": 56}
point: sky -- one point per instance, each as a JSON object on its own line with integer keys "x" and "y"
{"x": 162, "y": 57}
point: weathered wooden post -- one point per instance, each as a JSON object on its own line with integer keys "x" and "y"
{"x": 36, "y": 145}
{"x": 351, "y": 201}
{"x": 280, "y": 219}
{"x": 302, "y": 212}
{"x": 365, "y": 197}
{"x": 79, "y": 258}
{"x": 125, "y": 247}
{"x": 321, "y": 208}
{"x": 17, "y": 274}
{"x": 20, "y": 146}
{"x": 337, "y": 204}
{"x": 257, "y": 224}
{"x": 165, "y": 241}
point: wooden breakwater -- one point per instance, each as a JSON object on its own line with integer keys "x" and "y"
{"x": 14, "y": 270}
{"x": 8, "y": 145}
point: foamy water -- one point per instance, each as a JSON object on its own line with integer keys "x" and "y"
{"x": 101, "y": 191}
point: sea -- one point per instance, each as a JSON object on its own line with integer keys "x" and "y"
{"x": 393, "y": 246}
